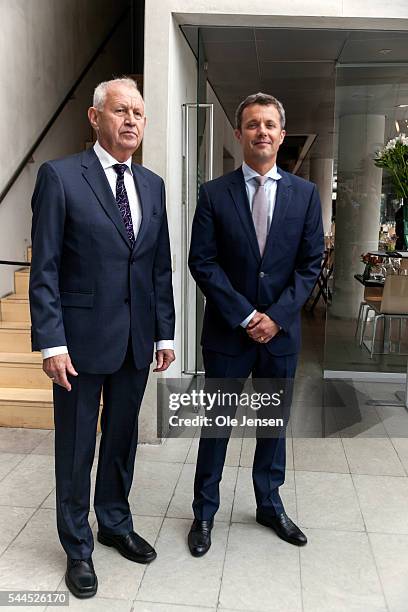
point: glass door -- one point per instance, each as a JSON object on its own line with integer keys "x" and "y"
{"x": 198, "y": 124}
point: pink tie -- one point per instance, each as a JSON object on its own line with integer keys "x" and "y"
{"x": 260, "y": 212}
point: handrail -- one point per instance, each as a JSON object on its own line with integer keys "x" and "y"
{"x": 15, "y": 263}
{"x": 56, "y": 114}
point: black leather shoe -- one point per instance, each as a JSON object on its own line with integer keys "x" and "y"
{"x": 80, "y": 578}
{"x": 199, "y": 538}
{"x": 131, "y": 546}
{"x": 284, "y": 527}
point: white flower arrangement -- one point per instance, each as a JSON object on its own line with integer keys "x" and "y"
{"x": 394, "y": 158}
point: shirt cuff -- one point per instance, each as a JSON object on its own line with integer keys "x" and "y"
{"x": 165, "y": 344}
{"x": 245, "y": 322}
{"x": 54, "y": 350}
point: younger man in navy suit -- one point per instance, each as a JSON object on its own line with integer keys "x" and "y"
{"x": 256, "y": 248}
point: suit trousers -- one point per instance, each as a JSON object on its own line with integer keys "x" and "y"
{"x": 268, "y": 471}
{"x": 76, "y": 417}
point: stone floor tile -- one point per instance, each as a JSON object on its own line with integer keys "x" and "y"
{"x": 319, "y": 455}
{"x": 35, "y": 559}
{"x": 20, "y": 439}
{"x": 384, "y": 502}
{"x": 8, "y": 462}
{"x": 153, "y": 486}
{"x": 401, "y": 446}
{"x": 29, "y": 483}
{"x": 339, "y": 573}
{"x": 233, "y": 452}
{"x": 390, "y": 552}
{"x": 261, "y": 572}
{"x": 372, "y": 456}
{"x": 12, "y": 521}
{"x": 327, "y": 501}
{"x": 178, "y": 578}
{"x": 173, "y": 450}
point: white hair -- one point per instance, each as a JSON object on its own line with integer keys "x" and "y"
{"x": 99, "y": 96}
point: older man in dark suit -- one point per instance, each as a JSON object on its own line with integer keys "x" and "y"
{"x": 256, "y": 248}
{"x": 100, "y": 296}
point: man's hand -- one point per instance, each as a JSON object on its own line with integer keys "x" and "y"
{"x": 164, "y": 358}
{"x": 57, "y": 368}
{"x": 262, "y": 328}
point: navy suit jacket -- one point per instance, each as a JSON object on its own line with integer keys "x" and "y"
{"x": 227, "y": 265}
{"x": 89, "y": 290}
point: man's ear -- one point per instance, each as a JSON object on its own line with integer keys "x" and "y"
{"x": 238, "y": 134}
{"x": 93, "y": 117}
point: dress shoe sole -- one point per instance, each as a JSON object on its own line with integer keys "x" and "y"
{"x": 106, "y": 541}
{"x": 81, "y": 593}
{"x": 279, "y": 534}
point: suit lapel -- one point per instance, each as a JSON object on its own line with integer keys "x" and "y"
{"x": 283, "y": 195}
{"x": 239, "y": 195}
{"x": 96, "y": 178}
{"x": 143, "y": 190}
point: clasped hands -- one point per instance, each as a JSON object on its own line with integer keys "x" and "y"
{"x": 262, "y": 328}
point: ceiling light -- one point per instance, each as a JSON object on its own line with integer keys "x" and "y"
{"x": 385, "y": 51}
{"x": 402, "y": 106}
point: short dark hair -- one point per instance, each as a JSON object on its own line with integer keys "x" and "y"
{"x": 264, "y": 100}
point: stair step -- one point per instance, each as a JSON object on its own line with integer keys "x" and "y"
{"x": 21, "y": 281}
{"x": 26, "y": 408}
{"x": 15, "y": 307}
{"x": 31, "y": 408}
{"x": 23, "y": 370}
{"x": 15, "y": 337}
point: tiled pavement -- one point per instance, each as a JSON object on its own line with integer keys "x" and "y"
{"x": 349, "y": 494}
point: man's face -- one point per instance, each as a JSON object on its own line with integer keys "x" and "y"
{"x": 260, "y": 135}
{"x": 120, "y": 124}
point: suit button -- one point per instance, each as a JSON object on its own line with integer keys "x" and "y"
{"x": 132, "y": 261}
{"x": 126, "y": 300}
{"x": 261, "y": 274}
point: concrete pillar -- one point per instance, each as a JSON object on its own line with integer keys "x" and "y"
{"x": 357, "y": 206}
{"x": 304, "y": 169}
{"x": 321, "y": 173}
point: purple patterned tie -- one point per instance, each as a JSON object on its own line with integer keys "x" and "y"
{"x": 123, "y": 202}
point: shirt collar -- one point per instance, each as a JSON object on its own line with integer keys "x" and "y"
{"x": 106, "y": 159}
{"x": 250, "y": 173}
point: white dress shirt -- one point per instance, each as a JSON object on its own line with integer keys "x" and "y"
{"x": 107, "y": 163}
{"x": 270, "y": 187}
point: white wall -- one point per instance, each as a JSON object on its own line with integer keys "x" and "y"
{"x": 31, "y": 99}
{"x": 44, "y": 45}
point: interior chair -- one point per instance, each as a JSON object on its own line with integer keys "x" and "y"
{"x": 393, "y": 305}
{"x": 371, "y": 294}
